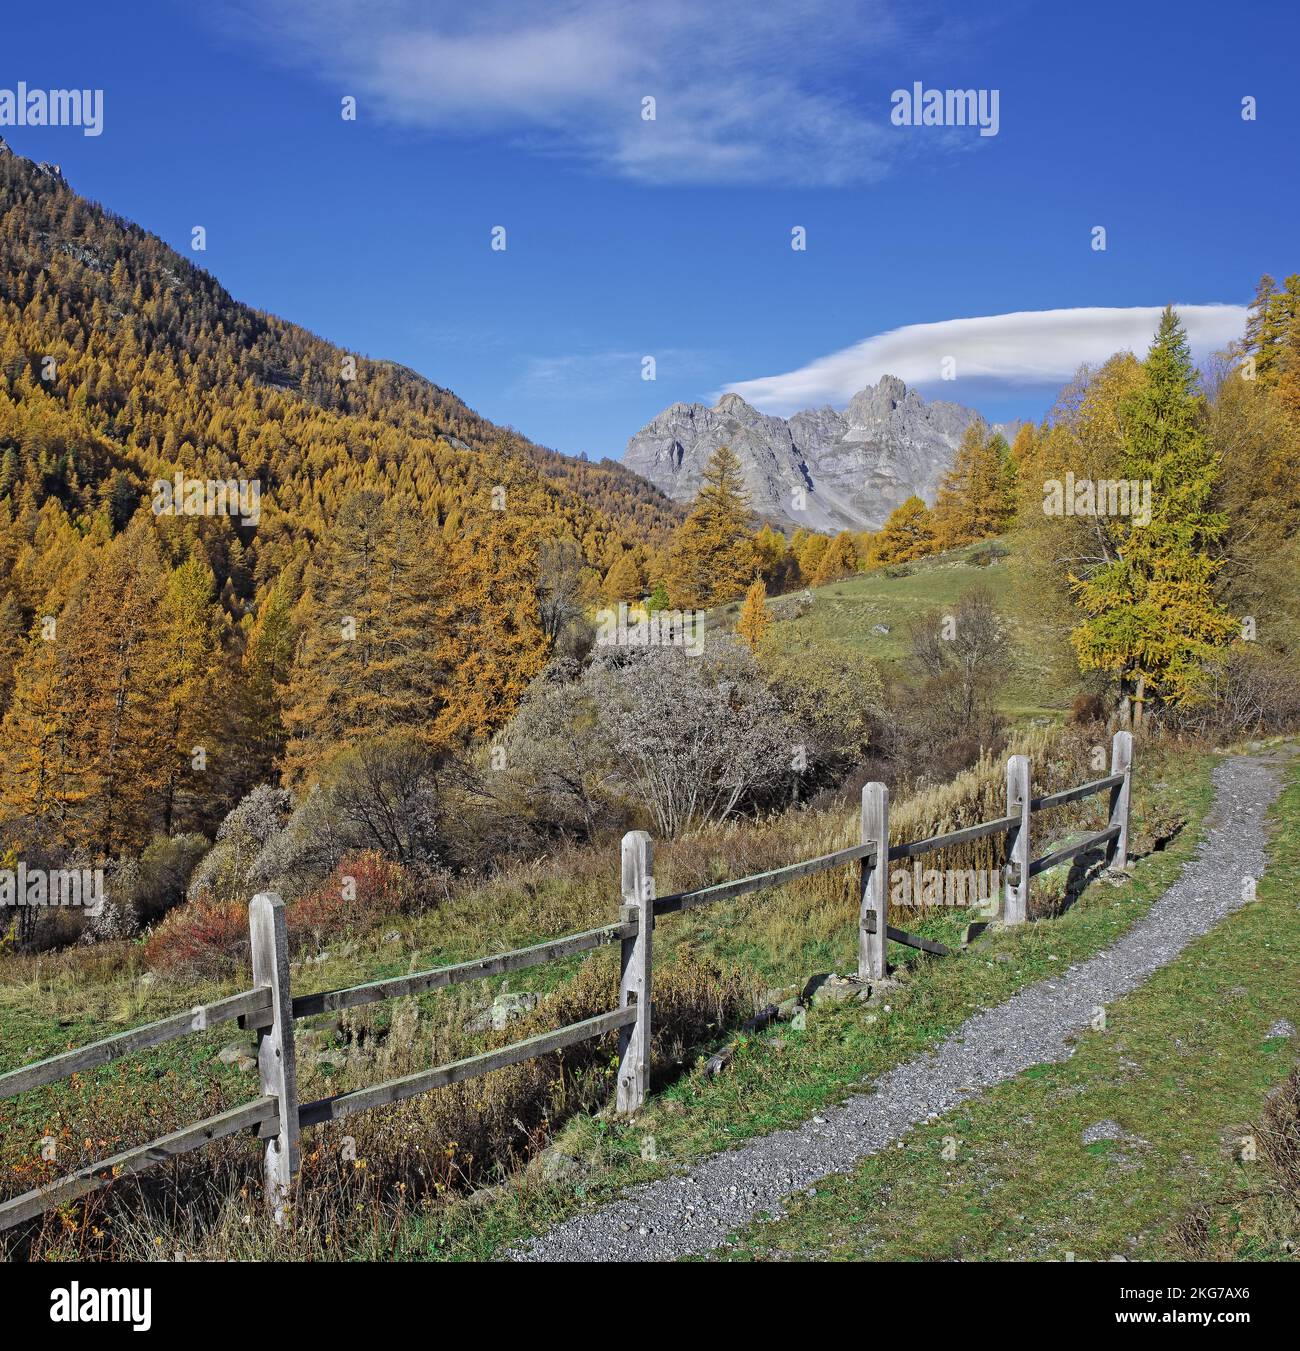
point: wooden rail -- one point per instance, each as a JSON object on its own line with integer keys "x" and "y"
{"x": 395, "y": 1090}
{"x": 272, "y": 1009}
{"x": 1041, "y": 865}
{"x": 778, "y": 877}
{"x": 250, "y": 1004}
{"x": 421, "y": 982}
{"x": 96, "y": 1175}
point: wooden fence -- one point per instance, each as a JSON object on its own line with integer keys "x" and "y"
{"x": 271, "y": 1008}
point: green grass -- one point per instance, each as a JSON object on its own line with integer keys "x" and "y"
{"x": 1183, "y": 1067}
{"x": 776, "y": 1080}
{"x": 780, "y": 1078}
{"x": 847, "y": 615}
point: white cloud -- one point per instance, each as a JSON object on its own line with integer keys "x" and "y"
{"x": 744, "y": 92}
{"x": 592, "y": 376}
{"x": 1030, "y": 347}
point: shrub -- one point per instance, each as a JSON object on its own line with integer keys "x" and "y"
{"x": 162, "y": 875}
{"x": 991, "y": 551}
{"x": 209, "y": 937}
{"x": 1086, "y": 709}
{"x": 204, "y": 938}
{"x": 364, "y": 890}
{"x": 559, "y": 764}
{"x": 226, "y": 872}
{"x": 694, "y": 739}
{"x": 1249, "y": 690}
{"x": 835, "y": 698}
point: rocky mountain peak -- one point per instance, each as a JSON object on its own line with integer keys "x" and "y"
{"x": 732, "y": 404}
{"x": 820, "y": 468}
{"x": 44, "y": 167}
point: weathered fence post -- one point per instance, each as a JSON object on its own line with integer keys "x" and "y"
{"x": 873, "y": 909}
{"x": 1015, "y": 891}
{"x": 275, "y": 1056}
{"x": 1121, "y": 762}
{"x": 634, "y": 982}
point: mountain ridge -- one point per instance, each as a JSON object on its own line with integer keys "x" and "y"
{"x": 201, "y": 350}
{"x": 818, "y": 468}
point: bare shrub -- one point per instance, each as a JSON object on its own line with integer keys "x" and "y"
{"x": 694, "y": 738}
{"x": 560, "y": 769}
{"x": 1250, "y": 690}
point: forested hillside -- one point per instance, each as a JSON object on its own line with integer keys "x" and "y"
{"x": 145, "y": 658}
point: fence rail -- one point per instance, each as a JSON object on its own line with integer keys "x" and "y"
{"x": 271, "y": 1008}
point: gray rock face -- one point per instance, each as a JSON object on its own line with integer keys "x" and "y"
{"x": 853, "y": 467}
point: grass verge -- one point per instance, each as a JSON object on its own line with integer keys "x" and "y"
{"x": 1145, "y": 1144}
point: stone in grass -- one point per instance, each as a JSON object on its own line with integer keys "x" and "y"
{"x": 1281, "y": 1028}
{"x": 504, "y": 1009}
{"x": 834, "y": 989}
{"x": 556, "y": 1163}
{"x": 1108, "y": 1130}
{"x": 240, "y": 1055}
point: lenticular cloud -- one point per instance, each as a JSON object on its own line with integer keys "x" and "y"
{"x": 1029, "y": 347}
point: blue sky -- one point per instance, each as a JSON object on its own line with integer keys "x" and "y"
{"x": 670, "y": 238}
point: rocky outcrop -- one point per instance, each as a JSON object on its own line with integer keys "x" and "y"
{"x": 822, "y": 469}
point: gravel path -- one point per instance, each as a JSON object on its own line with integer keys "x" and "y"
{"x": 694, "y": 1211}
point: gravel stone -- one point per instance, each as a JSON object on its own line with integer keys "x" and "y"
{"x": 692, "y": 1212}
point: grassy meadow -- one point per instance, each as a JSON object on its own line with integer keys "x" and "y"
{"x": 872, "y": 613}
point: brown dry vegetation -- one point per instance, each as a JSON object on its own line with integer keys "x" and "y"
{"x": 411, "y": 1157}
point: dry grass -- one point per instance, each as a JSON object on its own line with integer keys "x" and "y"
{"x": 362, "y": 1179}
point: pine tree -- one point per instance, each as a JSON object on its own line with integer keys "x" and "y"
{"x": 13, "y": 643}
{"x": 809, "y": 552}
{"x": 907, "y": 534}
{"x": 713, "y": 559}
{"x": 624, "y": 581}
{"x": 975, "y": 500}
{"x": 115, "y": 680}
{"x": 776, "y": 561}
{"x": 39, "y": 770}
{"x": 1257, "y": 318}
{"x": 1153, "y": 619}
{"x": 370, "y": 659}
{"x": 658, "y": 599}
{"x": 495, "y": 645}
{"x": 192, "y": 655}
{"x": 839, "y": 560}
{"x": 267, "y": 663}
{"x": 754, "y": 619}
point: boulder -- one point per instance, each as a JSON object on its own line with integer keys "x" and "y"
{"x": 504, "y": 1009}
{"x": 239, "y": 1054}
{"x": 834, "y": 989}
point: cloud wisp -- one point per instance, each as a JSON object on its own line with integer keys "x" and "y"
{"x": 742, "y": 93}
{"x": 1027, "y": 348}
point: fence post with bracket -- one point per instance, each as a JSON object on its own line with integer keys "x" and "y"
{"x": 638, "y": 908}
{"x": 873, "y": 907}
{"x": 276, "y": 1065}
{"x": 1015, "y": 889}
{"x": 1121, "y": 762}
